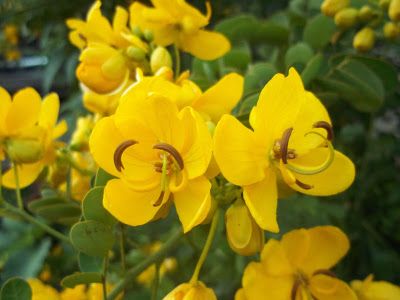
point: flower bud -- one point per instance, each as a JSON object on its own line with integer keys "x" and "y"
{"x": 160, "y": 58}
{"x": 331, "y": 7}
{"x": 366, "y": 13}
{"x": 80, "y": 137}
{"x": 25, "y": 151}
{"x": 135, "y": 53}
{"x": 391, "y": 30}
{"x": 384, "y": 3}
{"x": 244, "y": 236}
{"x": 148, "y": 35}
{"x": 191, "y": 291}
{"x": 364, "y": 40}
{"x": 136, "y": 31}
{"x": 394, "y": 10}
{"x": 346, "y": 18}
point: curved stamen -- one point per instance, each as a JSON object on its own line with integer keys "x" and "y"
{"x": 328, "y": 127}
{"x": 119, "y": 151}
{"x": 325, "y": 272}
{"x": 285, "y": 143}
{"x": 325, "y": 165}
{"x": 303, "y": 185}
{"x": 159, "y": 200}
{"x": 295, "y": 288}
{"x": 171, "y": 150}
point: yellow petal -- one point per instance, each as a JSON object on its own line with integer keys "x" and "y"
{"x": 130, "y": 207}
{"x": 27, "y": 174}
{"x": 193, "y": 202}
{"x": 76, "y": 39}
{"x": 221, "y": 98}
{"x": 258, "y": 286}
{"x": 337, "y": 178}
{"x": 103, "y": 142}
{"x": 238, "y": 225}
{"x": 328, "y": 244}
{"x": 206, "y": 45}
{"x": 49, "y": 111}
{"x": 296, "y": 244}
{"x": 120, "y": 19}
{"x": 240, "y": 295}
{"x": 275, "y": 260}
{"x": 24, "y": 110}
{"x": 278, "y": 105}
{"x": 261, "y": 199}
{"x": 5, "y": 103}
{"x": 371, "y": 290}
{"x": 241, "y": 160}
{"x": 330, "y": 288}
{"x": 60, "y": 129}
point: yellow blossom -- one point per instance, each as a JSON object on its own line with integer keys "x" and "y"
{"x": 177, "y": 22}
{"x": 297, "y": 267}
{"x": 291, "y": 138}
{"x": 191, "y": 291}
{"x": 12, "y": 54}
{"x": 368, "y": 289}
{"x": 10, "y": 32}
{"x": 42, "y": 291}
{"x": 80, "y": 137}
{"x": 76, "y": 293}
{"x": 159, "y": 156}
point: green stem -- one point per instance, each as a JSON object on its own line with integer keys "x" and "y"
{"x": 68, "y": 189}
{"x": 122, "y": 247}
{"x": 207, "y": 246}
{"x": 27, "y": 217}
{"x": 132, "y": 273}
{"x": 156, "y": 281}
{"x": 177, "y": 61}
{"x": 104, "y": 277}
{"x": 17, "y": 189}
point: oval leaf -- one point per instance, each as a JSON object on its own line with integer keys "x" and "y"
{"x": 16, "y": 289}
{"x": 93, "y": 209}
{"x": 89, "y": 263}
{"x": 318, "y": 31}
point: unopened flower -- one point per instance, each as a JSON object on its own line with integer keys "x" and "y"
{"x": 368, "y": 289}
{"x": 160, "y": 58}
{"x": 346, "y": 17}
{"x": 394, "y": 10}
{"x": 298, "y": 267}
{"x": 291, "y": 138}
{"x": 177, "y": 22}
{"x": 391, "y": 30}
{"x": 159, "y": 156}
{"x": 191, "y": 291}
{"x": 364, "y": 39}
{"x": 331, "y": 7}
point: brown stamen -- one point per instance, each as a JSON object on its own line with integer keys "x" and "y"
{"x": 295, "y": 288}
{"x": 285, "y": 143}
{"x": 119, "y": 151}
{"x": 328, "y": 127}
{"x": 171, "y": 150}
{"x": 303, "y": 185}
{"x": 159, "y": 200}
{"x": 325, "y": 272}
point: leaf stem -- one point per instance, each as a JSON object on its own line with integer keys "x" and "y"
{"x": 17, "y": 189}
{"x": 207, "y": 246}
{"x": 122, "y": 243}
{"x": 104, "y": 277}
{"x": 132, "y": 273}
{"x": 156, "y": 281}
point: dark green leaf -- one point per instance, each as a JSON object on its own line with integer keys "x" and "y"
{"x": 319, "y": 31}
{"x": 298, "y": 56}
{"x": 102, "y": 177}
{"x": 93, "y": 209}
{"x": 312, "y": 69}
{"x": 16, "y": 289}
{"x": 257, "y": 76}
{"x": 90, "y": 263}
{"x": 73, "y": 280}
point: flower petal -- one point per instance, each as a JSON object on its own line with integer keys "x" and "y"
{"x": 241, "y": 160}
{"x": 60, "y": 129}
{"x": 130, "y": 207}
{"x": 24, "y": 110}
{"x": 27, "y": 173}
{"x": 328, "y": 244}
{"x": 261, "y": 198}
{"x": 204, "y": 44}
{"x": 221, "y": 98}
{"x": 275, "y": 260}
{"x": 5, "y": 103}
{"x": 103, "y": 142}
{"x": 330, "y": 288}
{"x": 193, "y": 202}
{"x": 49, "y": 111}
{"x": 337, "y": 178}
{"x": 296, "y": 244}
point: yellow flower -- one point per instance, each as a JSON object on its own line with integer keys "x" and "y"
{"x": 297, "y": 267}
{"x": 219, "y": 99}
{"x": 76, "y": 293}
{"x": 12, "y": 54}
{"x": 177, "y": 22}
{"x": 291, "y": 138}
{"x": 97, "y": 29}
{"x": 10, "y": 32}
{"x": 25, "y": 115}
{"x": 191, "y": 291}
{"x": 375, "y": 290}
{"x": 102, "y": 69}
{"x": 158, "y": 154}
{"x": 244, "y": 236}
{"x": 95, "y": 291}
{"x": 42, "y": 291}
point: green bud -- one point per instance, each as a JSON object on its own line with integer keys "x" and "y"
{"x": 346, "y": 18}
{"x": 24, "y": 151}
{"x": 160, "y": 58}
{"x": 135, "y": 53}
{"x": 136, "y": 31}
{"x": 148, "y": 35}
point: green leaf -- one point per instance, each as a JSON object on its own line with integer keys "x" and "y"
{"x": 257, "y": 76}
{"x": 237, "y": 59}
{"x": 44, "y": 202}
{"x": 318, "y": 31}
{"x": 298, "y": 56}
{"x": 312, "y": 69}
{"x": 102, "y": 177}
{"x": 90, "y": 263}
{"x": 16, "y": 289}
{"x": 92, "y": 238}
{"x": 93, "y": 209}
{"x": 73, "y": 280}
{"x": 63, "y": 213}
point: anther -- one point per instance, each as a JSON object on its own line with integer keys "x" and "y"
{"x": 159, "y": 200}
{"x": 325, "y": 272}
{"x": 285, "y": 143}
{"x": 328, "y": 127}
{"x": 303, "y": 185}
{"x": 295, "y": 288}
{"x": 119, "y": 151}
{"x": 171, "y": 150}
